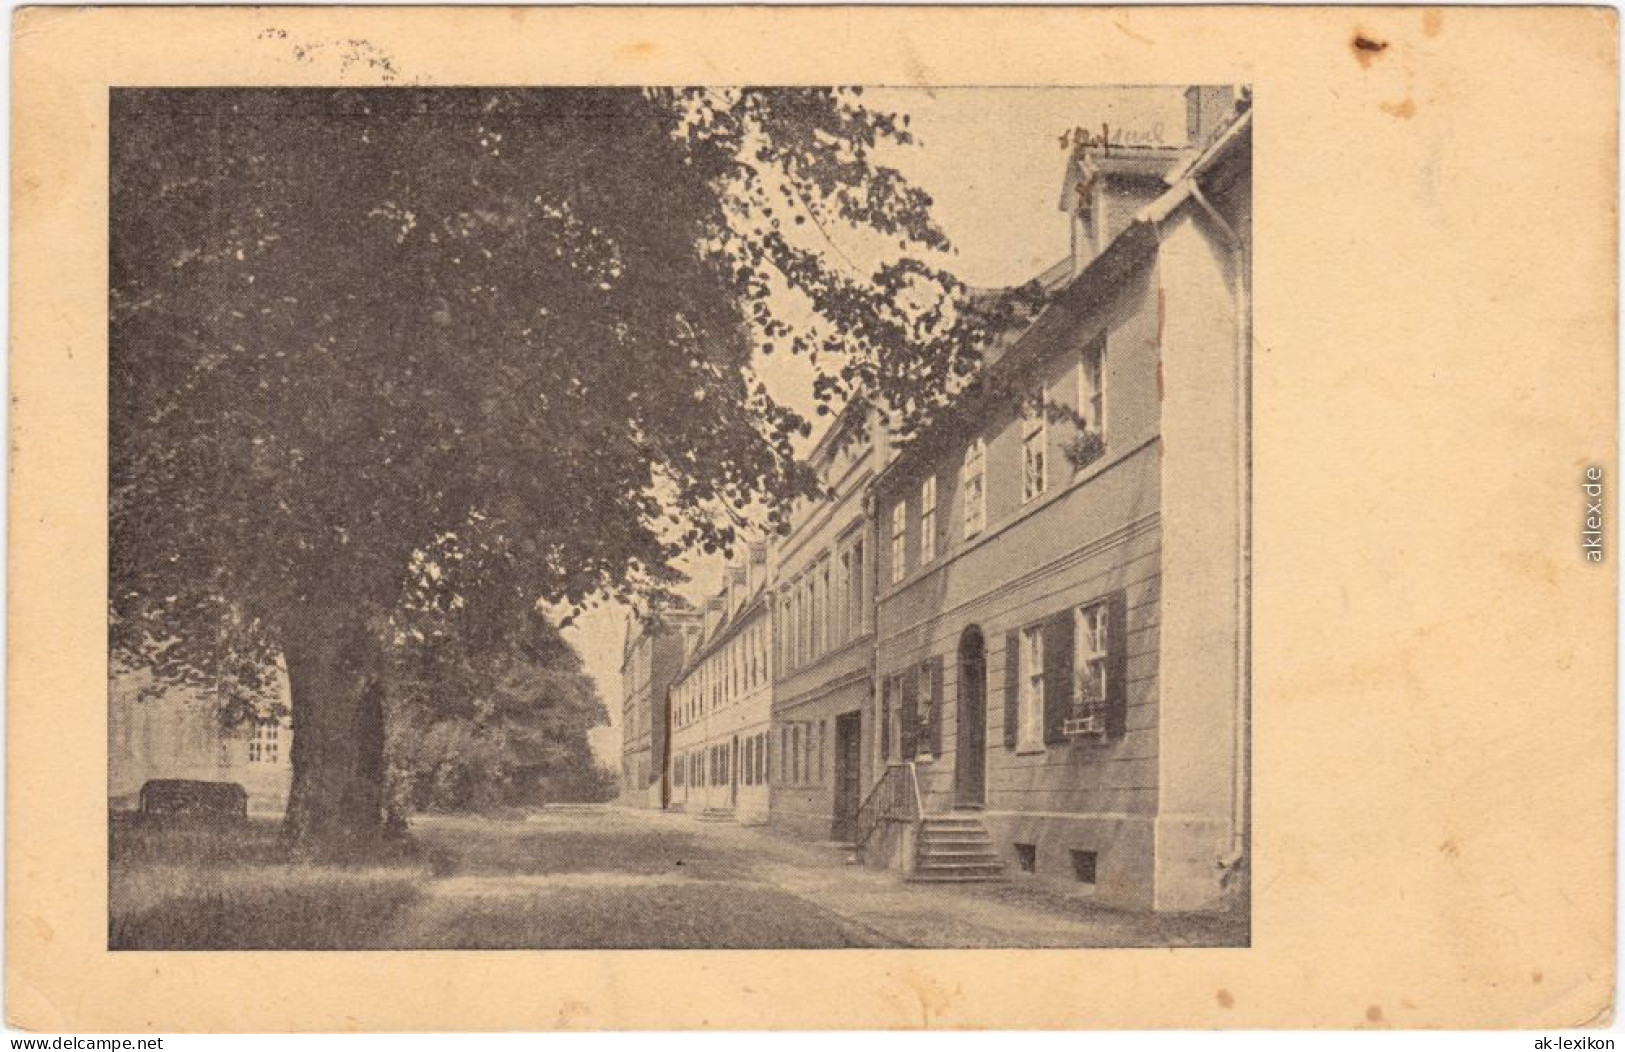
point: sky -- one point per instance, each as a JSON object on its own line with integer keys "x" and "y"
{"x": 992, "y": 160}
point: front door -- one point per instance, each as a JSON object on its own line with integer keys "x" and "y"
{"x": 970, "y": 739}
{"x": 848, "y": 763}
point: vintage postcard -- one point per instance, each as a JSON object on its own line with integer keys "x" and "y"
{"x": 1038, "y": 517}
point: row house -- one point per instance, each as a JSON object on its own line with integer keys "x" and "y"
{"x": 823, "y": 621}
{"x": 653, "y": 653}
{"x": 1061, "y": 627}
{"x": 721, "y": 701}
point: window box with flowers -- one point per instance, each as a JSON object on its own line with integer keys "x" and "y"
{"x": 1088, "y": 717}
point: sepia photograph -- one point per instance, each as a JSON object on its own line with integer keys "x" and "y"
{"x": 712, "y": 517}
{"x": 545, "y": 523}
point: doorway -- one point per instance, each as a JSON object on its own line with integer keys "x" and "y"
{"x": 848, "y": 763}
{"x": 970, "y": 738}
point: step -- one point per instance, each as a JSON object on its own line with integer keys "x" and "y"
{"x": 959, "y": 851}
{"x": 958, "y": 863}
{"x": 955, "y": 835}
{"x": 936, "y": 878}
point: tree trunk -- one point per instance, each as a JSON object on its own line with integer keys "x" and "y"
{"x": 337, "y": 802}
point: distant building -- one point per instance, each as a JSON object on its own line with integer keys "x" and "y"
{"x": 721, "y": 701}
{"x": 653, "y": 653}
{"x": 1062, "y": 616}
{"x": 823, "y": 622}
{"x": 158, "y": 731}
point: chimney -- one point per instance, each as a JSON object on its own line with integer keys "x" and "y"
{"x": 1209, "y": 109}
{"x": 1082, "y": 194}
{"x": 756, "y": 569}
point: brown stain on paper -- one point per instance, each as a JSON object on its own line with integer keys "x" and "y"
{"x": 935, "y": 997}
{"x": 1403, "y": 110}
{"x": 641, "y": 50}
{"x": 46, "y": 933}
{"x": 1432, "y": 22}
{"x": 1373, "y": 1014}
{"x": 569, "y": 1012}
{"x": 1121, "y": 22}
{"x": 1226, "y": 999}
{"x": 1366, "y": 48}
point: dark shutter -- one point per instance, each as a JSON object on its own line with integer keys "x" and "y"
{"x": 909, "y": 738}
{"x": 1012, "y": 683}
{"x": 1117, "y": 663}
{"x": 1057, "y": 676}
{"x": 885, "y": 719}
{"x": 935, "y": 672}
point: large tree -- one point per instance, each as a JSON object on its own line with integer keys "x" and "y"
{"x": 385, "y": 351}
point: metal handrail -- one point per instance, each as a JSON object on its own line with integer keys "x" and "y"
{"x": 894, "y": 798}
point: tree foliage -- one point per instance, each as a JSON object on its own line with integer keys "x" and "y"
{"x": 473, "y": 731}
{"x": 476, "y": 349}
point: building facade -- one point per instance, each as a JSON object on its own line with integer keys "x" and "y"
{"x": 1061, "y": 623}
{"x": 721, "y": 701}
{"x": 165, "y": 731}
{"x": 651, "y": 657}
{"x": 823, "y": 632}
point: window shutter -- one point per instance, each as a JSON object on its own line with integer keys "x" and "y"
{"x": 1057, "y": 675}
{"x": 935, "y": 673}
{"x": 1117, "y": 663}
{"x": 910, "y": 736}
{"x": 1012, "y": 683}
{"x": 885, "y": 719}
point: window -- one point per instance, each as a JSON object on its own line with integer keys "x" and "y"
{"x": 1033, "y": 442}
{"x": 1030, "y": 717}
{"x": 1090, "y": 655}
{"x": 1083, "y": 865}
{"x": 795, "y": 753}
{"x": 262, "y": 747}
{"x": 860, "y": 586}
{"x": 826, "y": 628}
{"x": 1027, "y": 857}
{"x": 899, "y": 541}
{"x": 928, "y": 520}
{"x": 974, "y": 488}
{"x": 925, "y": 713}
{"x": 801, "y": 626}
{"x": 1092, "y": 388}
{"x": 885, "y": 721}
{"x": 841, "y": 598}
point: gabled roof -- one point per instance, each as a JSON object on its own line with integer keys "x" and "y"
{"x": 1090, "y": 289}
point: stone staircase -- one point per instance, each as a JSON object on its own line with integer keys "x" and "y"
{"x": 955, "y": 849}
{"x": 716, "y": 814}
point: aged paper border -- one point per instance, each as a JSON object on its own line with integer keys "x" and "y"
{"x": 1434, "y": 666}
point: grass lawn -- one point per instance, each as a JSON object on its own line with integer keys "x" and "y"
{"x": 238, "y": 888}
{"x": 464, "y": 883}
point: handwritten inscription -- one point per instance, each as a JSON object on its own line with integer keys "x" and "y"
{"x": 1107, "y": 138}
